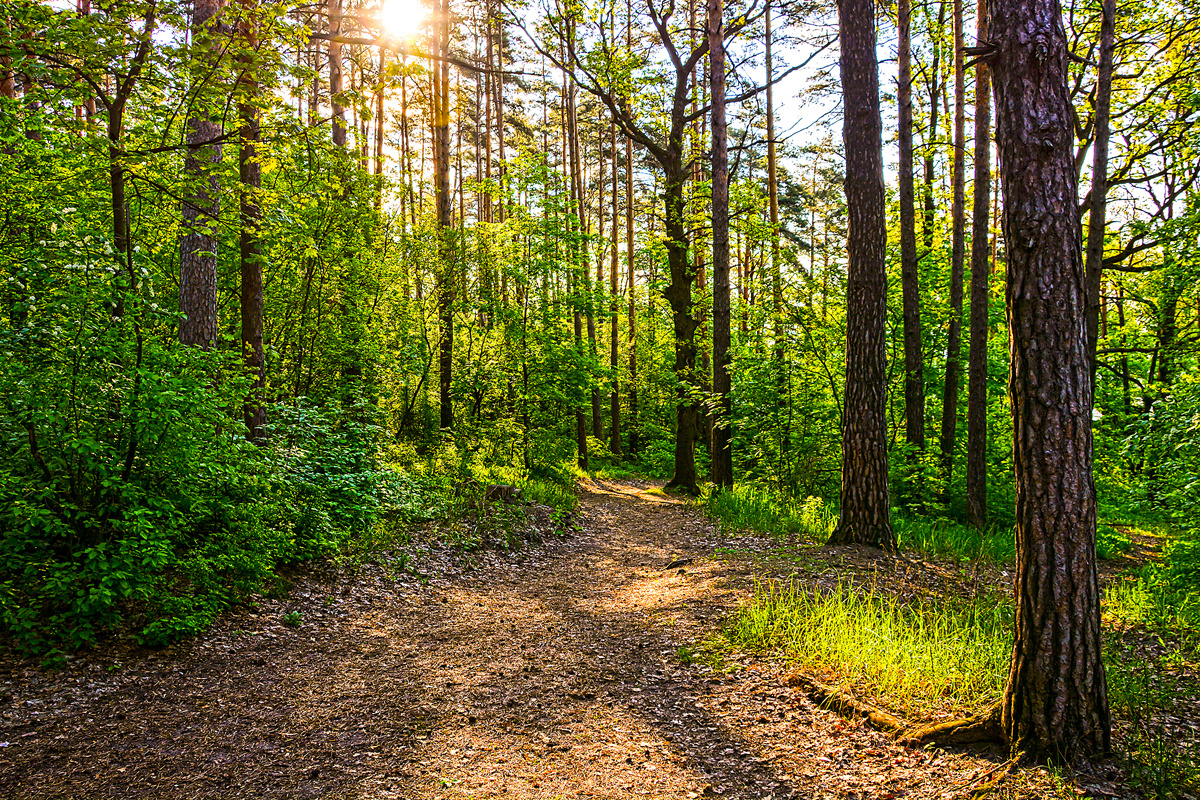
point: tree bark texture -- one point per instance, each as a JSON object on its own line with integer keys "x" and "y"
{"x": 201, "y": 206}
{"x": 441, "y": 165}
{"x": 865, "y": 513}
{"x": 722, "y": 441}
{"x": 977, "y": 358}
{"x": 914, "y": 368}
{"x": 614, "y": 430}
{"x": 335, "y": 73}
{"x": 250, "y": 239}
{"x": 1098, "y": 205}
{"x": 1055, "y": 702}
{"x": 957, "y": 256}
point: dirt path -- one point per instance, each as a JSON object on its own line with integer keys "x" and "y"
{"x": 554, "y": 674}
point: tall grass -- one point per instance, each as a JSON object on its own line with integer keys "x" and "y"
{"x": 952, "y": 656}
{"x": 940, "y": 536}
{"x": 747, "y": 507}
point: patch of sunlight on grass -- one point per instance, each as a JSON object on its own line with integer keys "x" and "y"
{"x": 949, "y": 656}
{"x": 747, "y": 507}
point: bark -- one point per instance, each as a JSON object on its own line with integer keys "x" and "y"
{"x": 683, "y": 322}
{"x": 201, "y": 207}
{"x": 614, "y": 430}
{"x": 980, "y": 272}
{"x": 441, "y": 165}
{"x": 1055, "y": 702}
{"x": 722, "y": 445}
{"x": 335, "y": 73}
{"x": 914, "y": 368}
{"x": 958, "y": 231}
{"x": 934, "y": 85}
{"x": 379, "y": 122}
{"x": 629, "y": 259}
{"x": 865, "y": 513}
{"x": 781, "y": 377}
{"x": 249, "y": 241}
{"x": 1094, "y": 265}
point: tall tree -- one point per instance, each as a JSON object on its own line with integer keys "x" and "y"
{"x": 914, "y": 368}
{"x": 335, "y": 72}
{"x": 1098, "y": 196}
{"x": 250, "y": 216}
{"x": 614, "y": 429}
{"x": 1056, "y": 699}
{"x": 977, "y": 358}
{"x": 441, "y": 166}
{"x": 866, "y": 513}
{"x": 957, "y": 256}
{"x": 722, "y": 447}
{"x": 202, "y": 205}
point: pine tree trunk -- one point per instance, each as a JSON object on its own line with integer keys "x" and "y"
{"x": 1055, "y": 702}
{"x": 1098, "y": 197}
{"x": 722, "y": 444}
{"x": 865, "y": 514}
{"x": 201, "y": 206}
{"x": 683, "y": 322}
{"x": 957, "y": 256}
{"x": 980, "y": 272}
{"x": 914, "y": 367}
{"x": 441, "y": 163}
{"x": 782, "y": 386}
{"x": 249, "y": 242}
{"x": 629, "y": 259}
{"x": 335, "y": 73}
{"x": 614, "y": 429}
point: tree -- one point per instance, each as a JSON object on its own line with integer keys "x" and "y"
{"x": 977, "y": 357}
{"x": 722, "y": 448}
{"x": 865, "y": 517}
{"x": 201, "y": 209}
{"x": 250, "y": 215}
{"x": 1055, "y": 701}
{"x": 914, "y": 368}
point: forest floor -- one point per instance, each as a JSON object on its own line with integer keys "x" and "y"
{"x": 550, "y": 672}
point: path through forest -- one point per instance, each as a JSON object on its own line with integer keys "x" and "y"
{"x": 551, "y": 673}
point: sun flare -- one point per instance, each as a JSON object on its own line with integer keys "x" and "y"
{"x": 402, "y": 18}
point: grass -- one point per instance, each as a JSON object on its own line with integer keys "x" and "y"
{"x": 746, "y": 507}
{"x": 949, "y": 656}
{"x": 944, "y": 537}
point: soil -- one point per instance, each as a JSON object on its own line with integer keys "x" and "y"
{"x": 551, "y": 672}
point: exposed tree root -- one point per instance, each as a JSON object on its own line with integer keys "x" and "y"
{"x": 981, "y": 727}
{"x": 846, "y": 704}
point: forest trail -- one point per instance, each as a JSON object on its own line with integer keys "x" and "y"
{"x": 552, "y": 673}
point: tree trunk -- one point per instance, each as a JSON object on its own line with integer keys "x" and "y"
{"x": 980, "y": 272}
{"x": 249, "y": 241}
{"x": 934, "y": 84}
{"x": 914, "y": 368}
{"x": 614, "y": 430}
{"x": 1056, "y": 701}
{"x": 865, "y": 514}
{"x": 958, "y": 232}
{"x": 335, "y": 73}
{"x": 679, "y": 295}
{"x": 782, "y": 385}
{"x": 441, "y": 164}
{"x": 379, "y": 122}
{"x": 629, "y": 259}
{"x": 1098, "y": 197}
{"x": 722, "y": 445}
{"x": 201, "y": 206}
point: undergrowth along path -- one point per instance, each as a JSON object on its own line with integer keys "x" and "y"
{"x": 551, "y": 673}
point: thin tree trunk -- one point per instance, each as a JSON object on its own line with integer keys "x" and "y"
{"x": 614, "y": 430}
{"x": 865, "y": 513}
{"x": 980, "y": 272}
{"x": 1094, "y": 265}
{"x": 782, "y": 386}
{"x": 957, "y": 256}
{"x": 1056, "y": 699}
{"x": 249, "y": 241}
{"x": 934, "y": 84}
{"x": 722, "y": 445}
{"x": 629, "y": 259}
{"x": 379, "y": 123}
{"x": 202, "y": 205}
{"x": 335, "y": 73}
{"x": 914, "y": 368}
{"x": 441, "y": 159}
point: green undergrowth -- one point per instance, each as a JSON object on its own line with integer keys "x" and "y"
{"x": 747, "y": 507}
{"x": 916, "y": 658}
{"x": 1163, "y": 594}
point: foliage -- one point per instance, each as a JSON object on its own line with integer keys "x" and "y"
{"x": 747, "y": 507}
{"x": 944, "y": 654}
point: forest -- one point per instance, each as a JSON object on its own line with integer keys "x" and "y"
{"x": 899, "y": 303}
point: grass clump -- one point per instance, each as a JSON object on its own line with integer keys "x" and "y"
{"x": 747, "y": 507}
{"x": 940, "y": 536}
{"x": 945, "y": 656}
